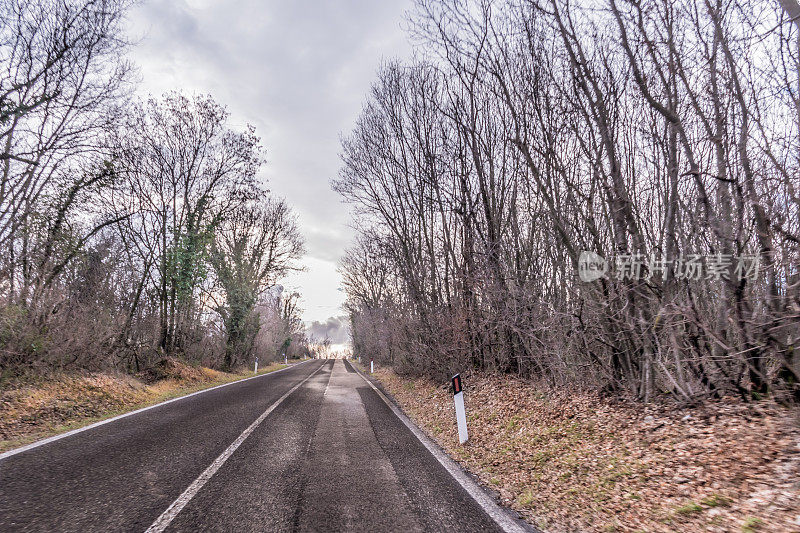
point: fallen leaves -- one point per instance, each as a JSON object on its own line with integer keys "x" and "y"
{"x": 575, "y": 461}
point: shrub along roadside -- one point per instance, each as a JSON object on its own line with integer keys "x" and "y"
{"x": 578, "y": 462}
{"x": 38, "y": 407}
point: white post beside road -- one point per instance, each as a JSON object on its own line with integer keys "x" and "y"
{"x": 285, "y": 359}
{"x": 371, "y": 366}
{"x": 255, "y": 370}
{"x": 461, "y": 414}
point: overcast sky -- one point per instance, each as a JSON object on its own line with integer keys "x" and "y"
{"x": 298, "y": 70}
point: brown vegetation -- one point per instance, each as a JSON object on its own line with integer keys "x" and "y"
{"x": 35, "y": 406}
{"x": 575, "y": 461}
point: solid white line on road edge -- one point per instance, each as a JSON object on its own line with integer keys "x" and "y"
{"x": 60, "y": 436}
{"x": 491, "y": 508}
{"x": 172, "y": 511}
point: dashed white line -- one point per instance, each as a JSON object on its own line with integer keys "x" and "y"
{"x": 172, "y": 511}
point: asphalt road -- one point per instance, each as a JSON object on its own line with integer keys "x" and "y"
{"x": 310, "y": 448}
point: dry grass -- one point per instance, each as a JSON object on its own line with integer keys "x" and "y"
{"x": 41, "y": 407}
{"x": 577, "y": 462}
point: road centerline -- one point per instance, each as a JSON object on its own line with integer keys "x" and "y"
{"x": 163, "y": 521}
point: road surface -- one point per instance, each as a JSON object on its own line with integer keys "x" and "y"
{"x": 310, "y": 448}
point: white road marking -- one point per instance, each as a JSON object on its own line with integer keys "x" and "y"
{"x": 48, "y": 440}
{"x": 491, "y": 508}
{"x": 172, "y": 511}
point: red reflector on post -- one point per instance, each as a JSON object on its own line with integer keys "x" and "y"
{"x": 456, "y": 383}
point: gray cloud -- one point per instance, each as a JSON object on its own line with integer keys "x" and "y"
{"x": 297, "y": 70}
{"x": 335, "y": 328}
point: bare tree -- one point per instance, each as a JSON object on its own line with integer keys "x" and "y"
{"x": 61, "y": 71}
{"x": 182, "y": 170}
{"x": 534, "y": 130}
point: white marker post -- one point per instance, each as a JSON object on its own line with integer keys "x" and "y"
{"x": 285, "y": 360}
{"x": 371, "y": 366}
{"x": 461, "y": 414}
{"x": 255, "y": 370}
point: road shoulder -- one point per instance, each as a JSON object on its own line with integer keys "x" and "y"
{"x": 488, "y": 500}
{"x": 92, "y": 401}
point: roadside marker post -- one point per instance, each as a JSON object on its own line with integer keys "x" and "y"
{"x": 255, "y": 370}
{"x": 371, "y": 366}
{"x": 461, "y": 414}
{"x": 285, "y": 360}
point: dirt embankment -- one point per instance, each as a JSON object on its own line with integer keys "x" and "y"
{"x": 578, "y": 462}
{"x": 36, "y": 407}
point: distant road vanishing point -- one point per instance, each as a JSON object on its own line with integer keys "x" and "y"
{"x": 314, "y": 447}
